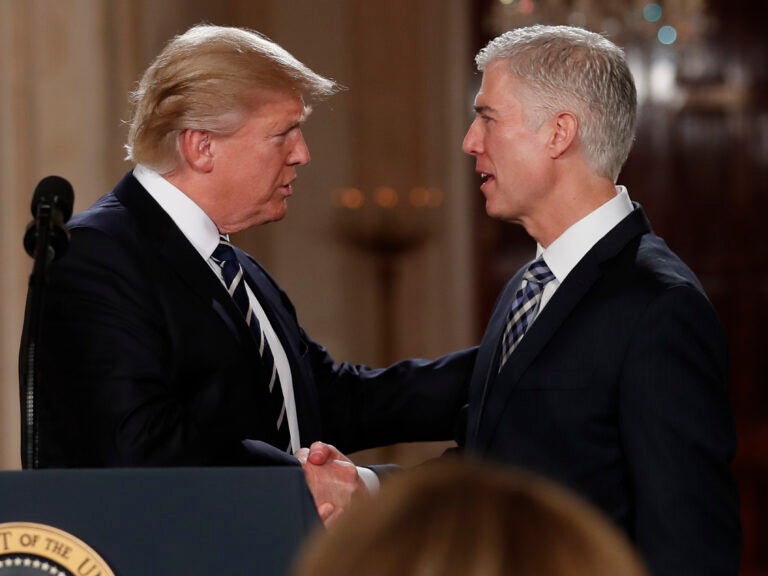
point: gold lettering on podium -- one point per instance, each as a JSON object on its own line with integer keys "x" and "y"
{"x": 38, "y": 546}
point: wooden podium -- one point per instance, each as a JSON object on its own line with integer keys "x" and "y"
{"x": 157, "y": 521}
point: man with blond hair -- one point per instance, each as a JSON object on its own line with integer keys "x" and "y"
{"x": 165, "y": 345}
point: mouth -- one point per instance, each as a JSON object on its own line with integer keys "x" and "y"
{"x": 485, "y": 177}
{"x": 287, "y": 188}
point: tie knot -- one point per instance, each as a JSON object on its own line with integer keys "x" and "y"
{"x": 224, "y": 252}
{"x": 538, "y": 272}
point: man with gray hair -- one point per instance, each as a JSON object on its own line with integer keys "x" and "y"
{"x": 165, "y": 345}
{"x": 604, "y": 365}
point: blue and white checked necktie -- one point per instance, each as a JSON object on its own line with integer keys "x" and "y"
{"x": 232, "y": 272}
{"x": 524, "y": 306}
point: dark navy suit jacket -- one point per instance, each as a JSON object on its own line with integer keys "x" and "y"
{"x": 618, "y": 390}
{"x": 146, "y": 360}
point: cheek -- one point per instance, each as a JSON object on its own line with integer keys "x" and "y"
{"x": 273, "y": 162}
{"x": 502, "y": 147}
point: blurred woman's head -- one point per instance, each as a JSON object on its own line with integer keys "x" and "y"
{"x": 452, "y": 518}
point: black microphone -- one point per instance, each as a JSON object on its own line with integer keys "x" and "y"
{"x": 51, "y": 207}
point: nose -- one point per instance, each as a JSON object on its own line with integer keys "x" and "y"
{"x": 472, "y": 141}
{"x": 299, "y": 155}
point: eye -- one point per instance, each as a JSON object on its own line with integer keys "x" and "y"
{"x": 483, "y": 117}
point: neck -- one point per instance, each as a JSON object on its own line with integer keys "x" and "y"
{"x": 567, "y": 205}
{"x": 192, "y": 186}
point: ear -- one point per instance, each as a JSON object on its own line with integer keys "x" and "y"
{"x": 195, "y": 148}
{"x": 565, "y": 127}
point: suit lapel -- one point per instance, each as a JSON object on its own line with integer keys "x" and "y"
{"x": 487, "y": 361}
{"x": 493, "y": 390}
{"x": 167, "y": 241}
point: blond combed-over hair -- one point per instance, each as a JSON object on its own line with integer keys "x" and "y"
{"x": 209, "y": 78}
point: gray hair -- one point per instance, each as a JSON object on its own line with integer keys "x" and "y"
{"x": 209, "y": 78}
{"x": 567, "y": 68}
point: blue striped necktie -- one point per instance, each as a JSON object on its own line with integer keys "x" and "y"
{"x": 234, "y": 280}
{"x": 524, "y": 306}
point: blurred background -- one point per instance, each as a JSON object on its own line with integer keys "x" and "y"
{"x": 386, "y": 251}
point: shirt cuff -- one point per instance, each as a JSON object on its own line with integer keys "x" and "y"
{"x": 369, "y": 478}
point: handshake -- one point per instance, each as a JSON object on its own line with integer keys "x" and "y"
{"x": 333, "y": 480}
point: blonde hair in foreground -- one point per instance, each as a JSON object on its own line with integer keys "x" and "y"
{"x": 454, "y": 519}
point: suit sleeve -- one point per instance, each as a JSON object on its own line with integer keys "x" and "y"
{"x": 412, "y": 400}
{"x": 679, "y": 438}
{"x": 358, "y": 407}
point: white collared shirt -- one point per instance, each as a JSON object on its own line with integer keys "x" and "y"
{"x": 571, "y": 246}
{"x": 203, "y": 234}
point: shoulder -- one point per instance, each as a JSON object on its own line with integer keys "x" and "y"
{"x": 666, "y": 293}
{"x": 127, "y": 216}
{"x": 657, "y": 263}
{"x": 111, "y": 234}
{"x": 106, "y": 213}
{"x": 649, "y": 266}
{"x": 646, "y": 278}
{"x": 105, "y": 232}
{"x": 122, "y": 207}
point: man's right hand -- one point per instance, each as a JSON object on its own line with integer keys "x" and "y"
{"x": 332, "y": 478}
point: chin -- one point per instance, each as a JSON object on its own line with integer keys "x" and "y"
{"x": 276, "y": 217}
{"x": 491, "y": 211}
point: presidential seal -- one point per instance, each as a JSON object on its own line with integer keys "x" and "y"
{"x": 28, "y": 549}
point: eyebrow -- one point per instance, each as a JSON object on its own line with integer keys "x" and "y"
{"x": 292, "y": 126}
{"x": 306, "y": 111}
{"x": 483, "y": 109}
{"x": 297, "y": 123}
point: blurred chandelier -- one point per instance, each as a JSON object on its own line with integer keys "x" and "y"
{"x": 625, "y": 21}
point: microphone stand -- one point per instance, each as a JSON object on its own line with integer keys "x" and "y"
{"x": 29, "y": 376}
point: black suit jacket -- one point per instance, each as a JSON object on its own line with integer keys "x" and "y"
{"x": 618, "y": 390}
{"x": 146, "y": 360}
